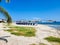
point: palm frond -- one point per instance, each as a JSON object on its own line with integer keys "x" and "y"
{"x": 8, "y": 17}
{"x": 7, "y": 1}
{"x": 0, "y": 0}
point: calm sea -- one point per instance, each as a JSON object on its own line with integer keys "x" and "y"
{"x": 55, "y": 25}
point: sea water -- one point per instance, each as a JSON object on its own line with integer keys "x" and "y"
{"x": 55, "y": 25}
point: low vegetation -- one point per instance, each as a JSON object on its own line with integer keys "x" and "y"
{"x": 39, "y": 44}
{"x": 32, "y": 44}
{"x": 22, "y": 31}
{"x": 42, "y": 44}
{"x": 53, "y": 39}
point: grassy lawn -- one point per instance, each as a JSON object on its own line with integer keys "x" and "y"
{"x": 22, "y": 31}
{"x": 53, "y": 39}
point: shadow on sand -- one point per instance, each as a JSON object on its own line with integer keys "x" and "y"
{"x": 4, "y": 38}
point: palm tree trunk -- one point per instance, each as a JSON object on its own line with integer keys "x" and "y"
{"x": 8, "y": 17}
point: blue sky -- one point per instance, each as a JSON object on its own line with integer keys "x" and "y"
{"x": 31, "y": 9}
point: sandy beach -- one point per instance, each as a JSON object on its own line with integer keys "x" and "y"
{"x": 42, "y": 31}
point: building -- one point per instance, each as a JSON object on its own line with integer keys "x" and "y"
{"x": 24, "y": 22}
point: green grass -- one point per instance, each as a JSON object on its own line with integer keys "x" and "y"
{"x": 22, "y": 31}
{"x": 42, "y": 44}
{"x": 38, "y": 44}
{"x": 53, "y": 39}
{"x": 32, "y": 44}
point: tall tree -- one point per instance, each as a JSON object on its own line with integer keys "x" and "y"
{"x": 8, "y": 17}
{"x": 7, "y": 1}
{"x": 0, "y": 0}
{"x": 2, "y": 10}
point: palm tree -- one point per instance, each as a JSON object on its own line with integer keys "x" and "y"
{"x": 2, "y": 10}
{"x": 0, "y": 0}
{"x": 8, "y": 17}
{"x": 7, "y": 1}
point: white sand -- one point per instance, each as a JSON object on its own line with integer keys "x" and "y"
{"x": 42, "y": 32}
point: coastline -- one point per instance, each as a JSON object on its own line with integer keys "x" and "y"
{"x": 42, "y": 31}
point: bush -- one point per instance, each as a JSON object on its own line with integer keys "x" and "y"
{"x": 22, "y": 31}
{"x": 53, "y": 39}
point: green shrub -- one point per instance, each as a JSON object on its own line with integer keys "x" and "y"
{"x": 22, "y": 31}
{"x": 42, "y": 44}
{"x": 32, "y": 44}
{"x": 53, "y": 39}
